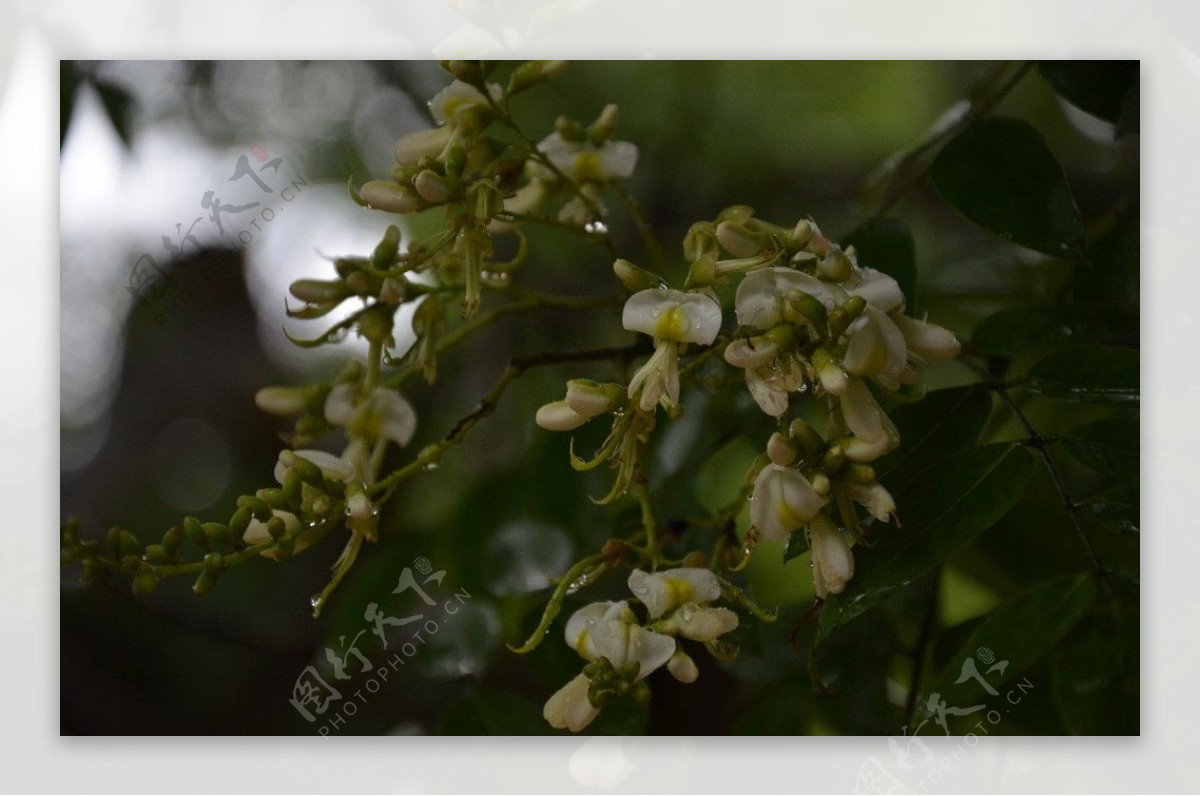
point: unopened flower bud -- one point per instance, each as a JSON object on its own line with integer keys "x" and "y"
{"x": 317, "y": 291}
{"x": 801, "y": 233}
{"x": 858, "y": 473}
{"x": 532, "y": 73}
{"x": 559, "y": 416}
{"x": 829, "y": 371}
{"x": 426, "y": 143}
{"x": 432, "y": 187}
{"x": 282, "y": 401}
{"x": 605, "y": 125}
{"x": 806, "y": 438}
{"x": 701, "y": 238}
{"x": 682, "y": 667}
{"x": 835, "y": 266}
{"x": 780, "y": 450}
{"x": 634, "y": 278}
{"x": 569, "y": 129}
{"x": 590, "y": 398}
{"x": 391, "y": 197}
{"x": 739, "y": 241}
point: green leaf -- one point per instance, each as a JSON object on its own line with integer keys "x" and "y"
{"x": 1099, "y": 374}
{"x": 944, "y": 422}
{"x": 1001, "y": 175}
{"x": 949, "y": 505}
{"x": 1117, "y": 508}
{"x": 1097, "y": 87}
{"x": 1095, "y": 675}
{"x": 1040, "y": 329}
{"x": 796, "y": 545}
{"x": 886, "y": 244}
{"x": 494, "y": 713}
{"x": 1115, "y": 273}
{"x": 1108, "y": 446}
{"x": 1020, "y": 631}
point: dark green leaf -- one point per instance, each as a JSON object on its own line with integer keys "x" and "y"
{"x": 1001, "y": 175}
{"x": 1117, "y": 509}
{"x": 1094, "y": 684}
{"x": 1040, "y": 329}
{"x": 1098, "y": 87}
{"x": 944, "y": 422}
{"x": 953, "y": 502}
{"x": 1099, "y": 374}
{"x": 1020, "y": 631}
{"x": 494, "y": 713}
{"x": 1108, "y": 446}
{"x": 886, "y": 244}
{"x": 1115, "y": 272}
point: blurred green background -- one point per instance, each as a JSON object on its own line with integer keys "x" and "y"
{"x": 159, "y": 421}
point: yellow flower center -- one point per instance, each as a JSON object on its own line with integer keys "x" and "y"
{"x": 671, "y": 325}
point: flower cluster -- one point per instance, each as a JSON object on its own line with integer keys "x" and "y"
{"x": 623, "y": 650}
{"x": 484, "y": 189}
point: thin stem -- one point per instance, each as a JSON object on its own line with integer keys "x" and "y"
{"x": 649, "y": 523}
{"x": 1039, "y": 443}
{"x": 653, "y": 248}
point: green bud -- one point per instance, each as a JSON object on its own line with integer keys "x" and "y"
{"x": 322, "y": 506}
{"x": 70, "y": 532}
{"x": 806, "y": 438}
{"x": 360, "y": 284}
{"x": 834, "y": 460}
{"x": 205, "y": 583}
{"x": 130, "y": 546}
{"x": 783, "y": 336}
{"x": 531, "y": 73}
{"x": 309, "y": 473}
{"x": 780, "y": 450}
{"x": 195, "y": 533}
{"x": 605, "y": 125}
{"x": 803, "y": 308}
{"x": 274, "y": 498}
{"x": 739, "y": 241}
{"x": 857, "y": 473}
{"x": 218, "y": 532}
{"x": 171, "y": 541}
{"x": 466, "y": 71}
{"x": 91, "y": 570}
{"x": 854, "y": 306}
{"x": 393, "y": 292}
{"x": 569, "y": 129}
{"x": 284, "y": 548}
{"x": 599, "y": 696}
{"x": 432, "y": 187}
{"x": 276, "y": 527}
{"x": 376, "y": 323}
{"x": 157, "y": 554}
{"x": 292, "y": 491}
{"x": 316, "y": 291}
{"x": 239, "y": 522}
{"x": 835, "y": 266}
{"x": 388, "y": 249}
{"x": 736, "y": 213}
{"x": 112, "y": 542}
{"x": 213, "y": 562}
{"x": 260, "y": 510}
{"x": 349, "y": 265}
{"x": 634, "y": 278}
{"x": 145, "y": 581}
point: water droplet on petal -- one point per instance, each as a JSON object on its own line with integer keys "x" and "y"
{"x": 655, "y": 313}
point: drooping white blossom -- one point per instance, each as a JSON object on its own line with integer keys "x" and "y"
{"x": 672, "y": 318}
{"x": 783, "y": 501}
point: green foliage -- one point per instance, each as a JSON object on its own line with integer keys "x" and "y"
{"x": 1001, "y": 175}
{"x": 1089, "y": 374}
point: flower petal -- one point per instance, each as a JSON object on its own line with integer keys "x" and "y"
{"x": 559, "y": 416}
{"x": 569, "y": 708}
{"x": 783, "y": 501}
{"x": 860, "y": 411}
{"x": 651, "y": 650}
{"x": 760, "y": 296}
{"x": 667, "y": 314}
{"x": 458, "y": 97}
{"x": 880, "y": 290}
{"x": 833, "y": 563}
{"x": 580, "y": 626}
{"x": 704, "y": 622}
{"x": 927, "y": 339}
{"x": 670, "y": 588}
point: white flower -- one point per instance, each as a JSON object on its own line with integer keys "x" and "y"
{"x": 874, "y": 497}
{"x": 682, "y": 667}
{"x": 833, "y": 563}
{"x": 880, "y": 290}
{"x": 862, "y": 414}
{"x": 257, "y": 533}
{"x": 421, "y": 144}
{"x": 783, "y": 501}
{"x": 585, "y": 399}
{"x": 383, "y": 414}
{"x": 703, "y": 622}
{"x": 610, "y": 630}
{"x": 333, "y": 467}
{"x": 762, "y": 297}
{"x": 672, "y": 318}
{"x": 927, "y": 339}
{"x": 569, "y": 707}
{"x": 666, "y": 590}
{"x": 583, "y": 162}
{"x": 876, "y": 348}
{"x": 458, "y": 98}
